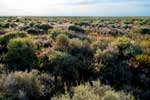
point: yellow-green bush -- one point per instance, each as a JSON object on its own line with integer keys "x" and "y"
{"x": 96, "y": 92}
{"x": 127, "y": 48}
{"x": 62, "y": 43}
{"x": 8, "y": 36}
{"x": 141, "y": 61}
{"x": 54, "y": 33}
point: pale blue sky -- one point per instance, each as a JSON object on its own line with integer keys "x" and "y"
{"x": 75, "y": 7}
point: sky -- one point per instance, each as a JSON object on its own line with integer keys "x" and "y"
{"x": 74, "y": 7}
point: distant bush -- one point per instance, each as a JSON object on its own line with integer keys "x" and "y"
{"x": 21, "y": 54}
{"x": 43, "y": 41}
{"x": 54, "y": 32}
{"x": 1, "y": 25}
{"x": 75, "y": 45}
{"x": 76, "y": 29}
{"x": 8, "y": 36}
{"x": 84, "y": 23}
{"x": 62, "y": 43}
{"x": 45, "y": 26}
{"x": 6, "y": 25}
{"x": 34, "y": 30}
{"x": 145, "y": 30}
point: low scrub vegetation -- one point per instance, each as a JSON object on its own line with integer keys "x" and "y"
{"x": 74, "y": 58}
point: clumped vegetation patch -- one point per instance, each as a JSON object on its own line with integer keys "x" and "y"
{"x": 95, "y": 92}
{"x": 21, "y": 54}
{"x": 66, "y": 58}
{"x": 145, "y": 30}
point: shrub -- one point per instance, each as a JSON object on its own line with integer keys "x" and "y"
{"x": 34, "y": 30}
{"x": 145, "y": 30}
{"x": 21, "y": 86}
{"x": 11, "y": 35}
{"x": 2, "y": 68}
{"x": 141, "y": 69}
{"x": 75, "y": 45}
{"x": 45, "y": 27}
{"x": 107, "y": 56}
{"x": 7, "y": 25}
{"x": 85, "y": 55}
{"x": 50, "y": 87}
{"x": 76, "y": 29}
{"x": 62, "y": 43}
{"x": 141, "y": 62}
{"x": 83, "y": 52}
{"x": 96, "y": 92}
{"x": 100, "y": 45}
{"x": 54, "y": 33}
{"x": 61, "y": 64}
{"x": 21, "y": 54}
{"x": 127, "y": 48}
{"x": 114, "y": 61}
{"x": 112, "y": 95}
{"x": 43, "y": 41}
{"x": 114, "y": 67}
{"x": 84, "y": 23}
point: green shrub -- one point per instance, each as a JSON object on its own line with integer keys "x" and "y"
{"x": 34, "y": 30}
{"x": 127, "y": 48}
{"x": 62, "y": 43}
{"x": 113, "y": 62}
{"x": 21, "y": 54}
{"x": 61, "y": 64}
{"x": 4, "y": 39}
{"x": 43, "y": 41}
{"x": 76, "y": 29}
{"x": 54, "y": 33}
{"x": 45, "y": 27}
{"x": 84, "y": 53}
{"x": 99, "y": 45}
{"x": 84, "y": 23}
{"x": 75, "y": 45}
{"x": 145, "y": 30}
